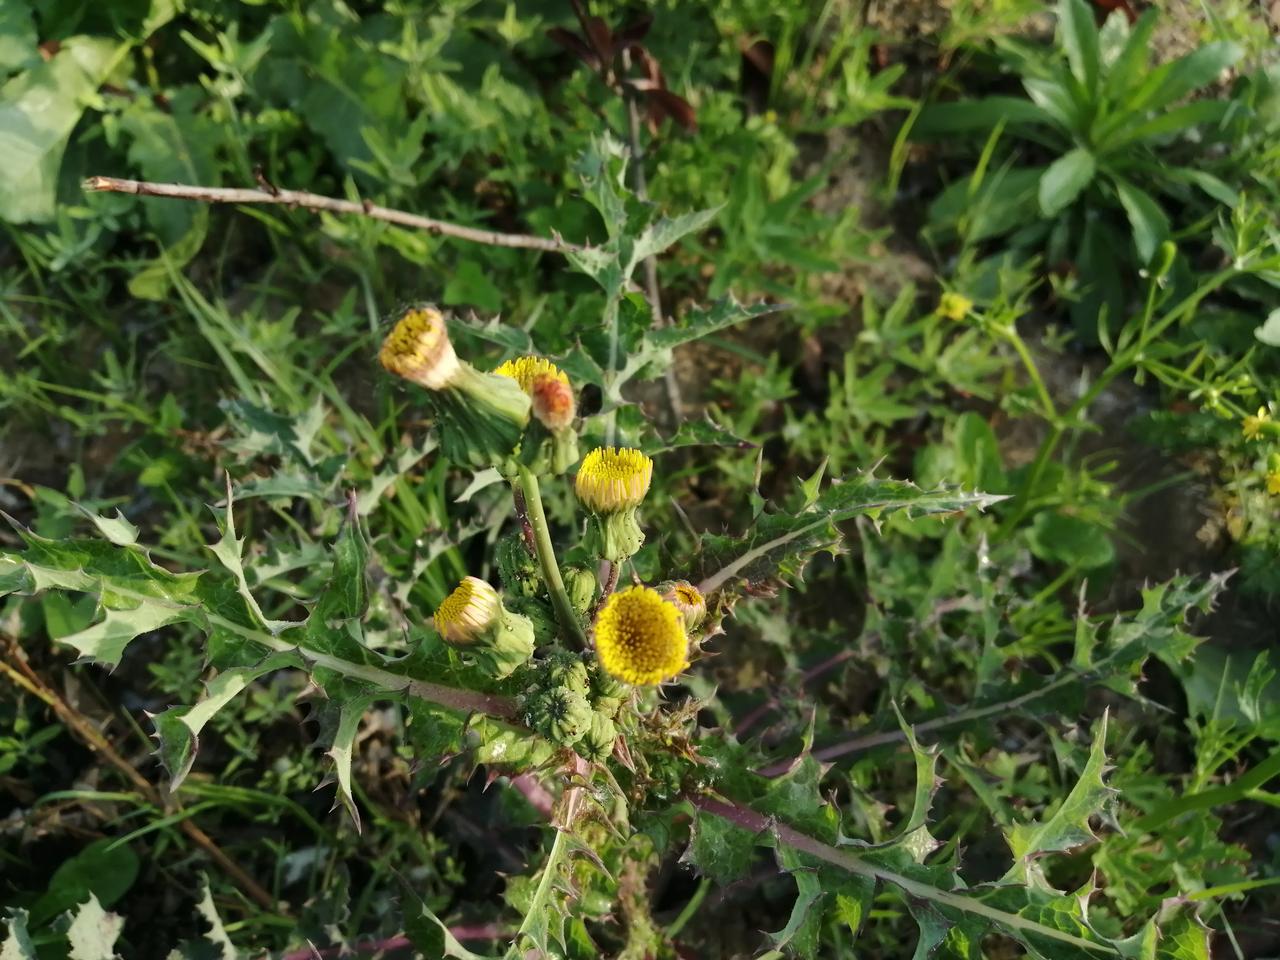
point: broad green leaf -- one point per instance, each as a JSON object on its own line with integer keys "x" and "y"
{"x": 1005, "y": 200}
{"x": 1068, "y": 826}
{"x": 17, "y": 38}
{"x": 178, "y": 728}
{"x": 967, "y": 116}
{"x": 38, "y": 109}
{"x": 1175, "y": 121}
{"x": 1150, "y": 225}
{"x": 93, "y": 932}
{"x": 1269, "y": 332}
{"x": 1078, "y": 34}
{"x": 1071, "y": 541}
{"x": 1130, "y": 66}
{"x": 469, "y": 285}
{"x": 1173, "y": 81}
{"x": 104, "y": 870}
{"x": 17, "y": 944}
{"x": 1053, "y": 97}
{"x": 1064, "y": 179}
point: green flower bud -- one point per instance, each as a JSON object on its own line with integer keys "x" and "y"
{"x": 564, "y": 671}
{"x": 1164, "y": 259}
{"x": 582, "y": 586}
{"x": 560, "y": 715}
{"x": 517, "y": 567}
{"x": 611, "y": 483}
{"x": 472, "y": 619}
{"x": 597, "y": 743}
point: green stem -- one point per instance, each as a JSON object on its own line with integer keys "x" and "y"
{"x": 1033, "y": 371}
{"x": 690, "y": 909}
{"x": 565, "y": 613}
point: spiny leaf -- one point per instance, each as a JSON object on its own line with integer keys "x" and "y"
{"x": 230, "y": 553}
{"x": 178, "y": 728}
{"x": 216, "y": 934}
{"x": 93, "y": 932}
{"x": 427, "y": 932}
{"x": 703, "y": 321}
{"x": 1068, "y": 827}
{"x": 350, "y": 714}
{"x": 117, "y": 529}
{"x": 780, "y": 544}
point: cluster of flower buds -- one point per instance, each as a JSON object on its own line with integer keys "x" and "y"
{"x": 575, "y": 705}
{"x": 474, "y": 621}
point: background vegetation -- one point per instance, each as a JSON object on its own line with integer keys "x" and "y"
{"x": 1031, "y": 251}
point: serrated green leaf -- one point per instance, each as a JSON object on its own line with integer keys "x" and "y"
{"x": 230, "y": 553}
{"x": 351, "y": 713}
{"x": 216, "y": 934}
{"x": 695, "y": 433}
{"x": 802, "y": 933}
{"x": 703, "y": 321}
{"x": 428, "y": 934}
{"x": 116, "y": 529}
{"x": 178, "y": 728}
{"x": 720, "y": 850}
{"x": 779, "y": 545}
{"x": 93, "y": 932}
{"x": 1068, "y": 827}
{"x": 665, "y": 231}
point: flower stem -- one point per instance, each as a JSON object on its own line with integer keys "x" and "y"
{"x": 547, "y": 557}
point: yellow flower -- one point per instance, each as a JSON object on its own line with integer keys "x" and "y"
{"x": 954, "y": 306}
{"x": 686, "y": 598}
{"x": 526, "y": 371}
{"x": 640, "y": 638}
{"x": 548, "y": 388}
{"x": 467, "y": 613}
{"x": 419, "y": 350}
{"x": 1273, "y": 483}
{"x": 611, "y": 479}
{"x": 1252, "y": 426}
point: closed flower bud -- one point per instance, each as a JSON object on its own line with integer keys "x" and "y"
{"x": 612, "y": 483}
{"x": 554, "y": 406}
{"x": 1256, "y": 424}
{"x": 597, "y": 744}
{"x": 481, "y": 417}
{"x": 582, "y": 586}
{"x": 640, "y": 638}
{"x": 539, "y": 614}
{"x": 562, "y": 716}
{"x": 564, "y": 671}
{"x": 472, "y": 619}
{"x": 517, "y": 567}
{"x": 686, "y": 598}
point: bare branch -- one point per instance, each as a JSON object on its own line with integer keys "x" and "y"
{"x": 312, "y": 201}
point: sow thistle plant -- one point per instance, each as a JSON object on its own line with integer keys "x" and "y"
{"x": 575, "y": 668}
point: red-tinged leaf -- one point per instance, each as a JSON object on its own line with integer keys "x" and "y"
{"x": 635, "y": 31}
{"x": 575, "y": 45}
{"x": 664, "y": 103}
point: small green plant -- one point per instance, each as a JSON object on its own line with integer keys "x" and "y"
{"x": 1121, "y": 143}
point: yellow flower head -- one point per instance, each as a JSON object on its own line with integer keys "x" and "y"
{"x": 640, "y": 638}
{"x": 1252, "y": 426}
{"x": 468, "y": 612}
{"x": 1273, "y": 483}
{"x": 686, "y": 598}
{"x": 548, "y": 388}
{"x": 612, "y": 479}
{"x": 419, "y": 350}
{"x": 954, "y": 306}
{"x": 527, "y": 370}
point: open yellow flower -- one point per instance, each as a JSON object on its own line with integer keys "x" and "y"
{"x": 1273, "y": 483}
{"x": 612, "y": 479}
{"x": 1253, "y": 425}
{"x": 954, "y": 306}
{"x": 640, "y": 638}
{"x": 547, "y": 386}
